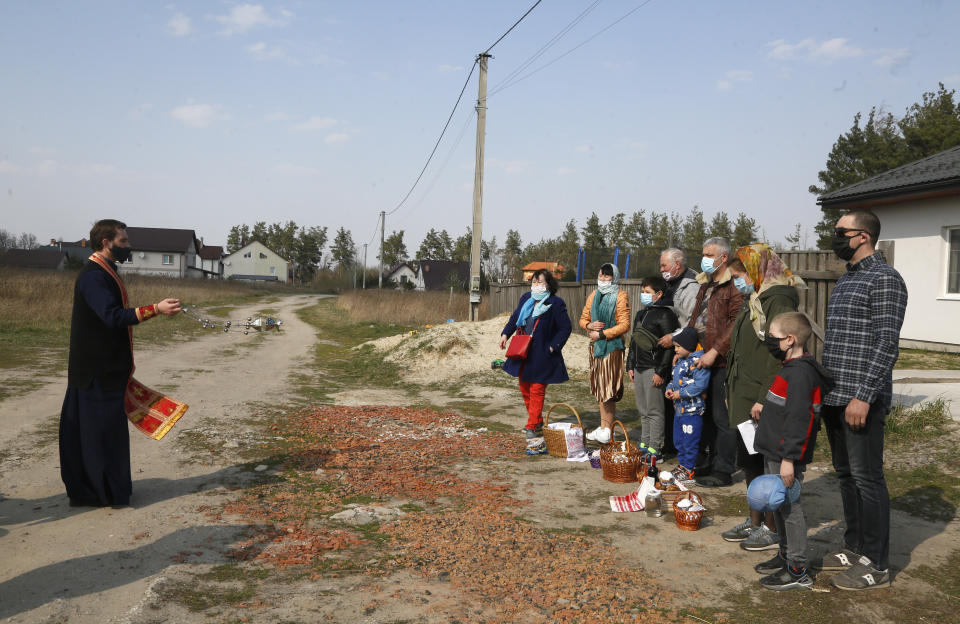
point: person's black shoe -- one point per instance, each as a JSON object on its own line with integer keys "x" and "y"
{"x": 714, "y": 480}
{"x": 772, "y": 565}
{"x": 703, "y": 470}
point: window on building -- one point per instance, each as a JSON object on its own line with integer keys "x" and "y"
{"x": 248, "y": 254}
{"x": 167, "y": 259}
{"x": 403, "y": 279}
{"x": 953, "y": 270}
{"x": 263, "y": 256}
{"x": 273, "y": 270}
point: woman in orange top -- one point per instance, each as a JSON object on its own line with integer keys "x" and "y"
{"x": 606, "y": 316}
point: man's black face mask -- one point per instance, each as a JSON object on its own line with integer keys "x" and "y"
{"x": 121, "y": 254}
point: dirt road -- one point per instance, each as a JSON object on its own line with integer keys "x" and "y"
{"x": 95, "y": 565}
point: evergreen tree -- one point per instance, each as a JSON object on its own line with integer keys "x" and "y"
{"x": 744, "y": 231}
{"x": 394, "y": 250}
{"x": 720, "y": 226}
{"x": 660, "y": 230}
{"x": 513, "y": 254}
{"x": 462, "y": 247}
{"x": 259, "y": 232}
{"x": 342, "y": 251}
{"x": 694, "y": 229}
{"x": 593, "y": 234}
{"x": 637, "y": 233}
{"x": 616, "y": 229}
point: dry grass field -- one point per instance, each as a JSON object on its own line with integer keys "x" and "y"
{"x": 408, "y": 308}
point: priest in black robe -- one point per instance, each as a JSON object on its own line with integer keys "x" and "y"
{"x": 94, "y": 442}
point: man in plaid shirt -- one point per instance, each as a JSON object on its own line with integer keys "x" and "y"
{"x": 864, "y": 316}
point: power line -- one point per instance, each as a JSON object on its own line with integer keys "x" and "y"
{"x": 549, "y": 44}
{"x": 437, "y": 144}
{"x": 507, "y": 85}
{"x": 512, "y": 27}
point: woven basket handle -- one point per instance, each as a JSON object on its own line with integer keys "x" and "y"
{"x": 627, "y": 437}
{"x": 546, "y": 419}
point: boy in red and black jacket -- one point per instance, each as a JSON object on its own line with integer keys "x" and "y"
{"x": 786, "y": 435}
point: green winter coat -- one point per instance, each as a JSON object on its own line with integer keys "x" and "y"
{"x": 750, "y": 367}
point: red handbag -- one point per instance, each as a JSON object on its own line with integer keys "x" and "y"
{"x": 520, "y": 343}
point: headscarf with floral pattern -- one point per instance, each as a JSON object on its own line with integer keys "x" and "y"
{"x": 766, "y": 270}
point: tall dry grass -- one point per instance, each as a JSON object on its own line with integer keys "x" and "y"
{"x": 408, "y": 308}
{"x": 34, "y": 300}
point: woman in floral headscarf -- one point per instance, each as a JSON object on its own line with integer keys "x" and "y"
{"x": 607, "y": 317}
{"x": 769, "y": 289}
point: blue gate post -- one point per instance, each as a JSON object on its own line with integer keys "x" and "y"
{"x": 616, "y": 254}
{"x": 626, "y": 271}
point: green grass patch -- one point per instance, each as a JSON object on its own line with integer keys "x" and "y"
{"x": 926, "y": 492}
{"x": 232, "y": 572}
{"x": 729, "y": 506}
{"x": 921, "y": 359}
{"x": 923, "y": 421}
{"x": 360, "y": 499}
{"x": 200, "y": 597}
{"x": 946, "y": 578}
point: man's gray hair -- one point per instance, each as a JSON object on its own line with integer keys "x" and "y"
{"x": 723, "y": 245}
{"x": 676, "y": 255}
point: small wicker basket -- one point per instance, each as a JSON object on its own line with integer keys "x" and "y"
{"x": 620, "y": 460}
{"x": 555, "y": 439}
{"x": 688, "y": 520}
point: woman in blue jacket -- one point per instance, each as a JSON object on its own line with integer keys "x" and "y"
{"x": 543, "y": 315}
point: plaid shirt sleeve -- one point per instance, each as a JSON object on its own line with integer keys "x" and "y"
{"x": 888, "y": 303}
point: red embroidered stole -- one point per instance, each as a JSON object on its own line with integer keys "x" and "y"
{"x": 153, "y": 413}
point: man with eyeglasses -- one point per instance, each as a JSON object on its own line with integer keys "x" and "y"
{"x": 864, "y": 316}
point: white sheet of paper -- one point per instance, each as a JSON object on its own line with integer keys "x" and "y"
{"x": 748, "y": 430}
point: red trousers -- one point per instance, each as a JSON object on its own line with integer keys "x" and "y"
{"x": 533, "y": 394}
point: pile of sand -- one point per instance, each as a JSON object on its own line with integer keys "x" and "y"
{"x": 450, "y": 351}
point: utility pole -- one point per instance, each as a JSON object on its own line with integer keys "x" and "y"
{"x": 478, "y": 192}
{"x": 383, "y": 219}
{"x": 365, "y": 266}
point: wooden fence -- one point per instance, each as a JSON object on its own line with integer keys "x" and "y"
{"x": 819, "y": 269}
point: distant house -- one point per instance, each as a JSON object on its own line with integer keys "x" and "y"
{"x": 77, "y": 251}
{"x": 403, "y": 274}
{"x": 554, "y": 267}
{"x": 164, "y": 252}
{"x": 431, "y": 274}
{"x": 210, "y": 260}
{"x": 919, "y": 209}
{"x": 40, "y": 258}
{"x": 255, "y": 261}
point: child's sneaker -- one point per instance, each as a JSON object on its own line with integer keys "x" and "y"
{"x": 772, "y": 565}
{"x": 600, "y": 435}
{"x": 682, "y": 476}
{"x": 761, "y": 539}
{"x": 644, "y": 451}
{"x": 740, "y": 532}
{"x": 530, "y": 433}
{"x": 862, "y": 576}
{"x": 788, "y": 578}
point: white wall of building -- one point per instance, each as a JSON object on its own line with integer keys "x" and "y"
{"x": 164, "y": 264}
{"x": 920, "y": 231}
{"x": 255, "y": 259}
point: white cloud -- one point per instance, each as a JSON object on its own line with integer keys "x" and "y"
{"x": 565, "y": 171}
{"x": 724, "y": 85}
{"x": 316, "y": 123}
{"x": 294, "y": 169}
{"x": 337, "y": 137}
{"x": 736, "y": 75}
{"x": 244, "y": 17}
{"x": 445, "y": 68}
{"x": 810, "y": 49}
{"x": 893, "y": 59}
{"x": 260, "y": 51}
{"x": 197, "y": 115}
{"x": 179, "y": 25}
{"x": 584, "y": 149}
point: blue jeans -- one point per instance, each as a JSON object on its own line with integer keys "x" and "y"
{"x": 858, "y": 460}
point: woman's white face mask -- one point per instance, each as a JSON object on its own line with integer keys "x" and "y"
{"x": 538, "y": 288}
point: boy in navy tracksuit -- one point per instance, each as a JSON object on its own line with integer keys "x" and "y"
{"x": 786, "y": 436}
{"x": 688, "y": 390}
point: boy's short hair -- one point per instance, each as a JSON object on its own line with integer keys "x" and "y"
{"x": 795, "y": 324}
{"x": 737, "y": 265}
{"x": 104, "y": 229}
{"x": 657, "y": 283}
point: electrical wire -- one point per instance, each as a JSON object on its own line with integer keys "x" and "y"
{"x": 440, "y": 138}
{"x": 512, "y": 27}
{"x": 545, "y": 47}
{"x": 503, "y": 85}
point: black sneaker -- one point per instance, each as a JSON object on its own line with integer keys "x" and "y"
{"x": 772, "y": 565}
{"x": 715, "y": 480}
{"x": 788, "y": 578}
{"x": 862, "y": 576}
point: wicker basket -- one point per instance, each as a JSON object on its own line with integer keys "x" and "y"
{"x": 688, "y": 520}
{"x": 669, "y": 497}
{"x": 624, "y": 471}
{"x": 555, "y": 439}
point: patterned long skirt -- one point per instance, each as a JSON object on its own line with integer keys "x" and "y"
{"x": 606, "y": 376}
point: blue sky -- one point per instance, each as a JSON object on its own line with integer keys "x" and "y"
{"x": 204, "y": 115}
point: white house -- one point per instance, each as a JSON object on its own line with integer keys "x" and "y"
{"x": 918, "y": 205}
{"x": 164, "y": 252}
{"x": 405, "y": 273}
{"x": 431, "y": 274}
{"x": 255, "y": 261}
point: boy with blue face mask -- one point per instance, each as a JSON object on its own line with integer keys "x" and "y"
{"x": 649, "y": 364}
